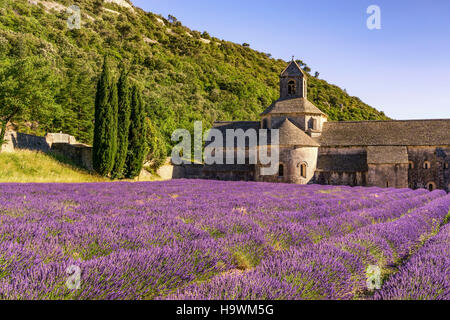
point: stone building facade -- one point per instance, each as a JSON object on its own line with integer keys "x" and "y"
{"x": 394, "y": 154}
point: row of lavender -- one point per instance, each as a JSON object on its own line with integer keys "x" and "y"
{"x": 203, "y": 239}
{"x": 332, "y": 269}
{"x": 425, "y": 276}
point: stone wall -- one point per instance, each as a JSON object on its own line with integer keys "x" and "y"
{"x": 15, "y": 140}
{"x": 188, "y": 171}
{"x": 60, "y": 138}
{"x": 437, "y": 172}
{"x": 339, "y": 178}
{"x": 21, "y": 141}
{"x": 60, "y": 143}
{"x": 169, "y": 171}
{"x": 229, "y": 172}
{"x": 388, "y": 175}
{"x": 213, "y": 172}
{"x": 388, "y": 166}
{"x": 291, "y": 158}
{"x": 79, "y": 154}
{"x": 342, "y": 166}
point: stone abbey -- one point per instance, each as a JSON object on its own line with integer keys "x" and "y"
{"x": 398, "y": 154}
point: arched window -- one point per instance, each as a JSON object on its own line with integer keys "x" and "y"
{"x": 427, "y": 165}
{"x": 431, "y": 186}
{"x": 387, "y": 184}
{"x": 281, "y": 170}
{"x": 303, "y": 170}
{"x": 411, "y": 165}
{"x": 446, "y": 165}
{"x": 291, "y": 87}
{"x": 312, "y": 124}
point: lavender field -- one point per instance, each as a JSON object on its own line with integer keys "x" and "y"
{"x": 195, "y": 239}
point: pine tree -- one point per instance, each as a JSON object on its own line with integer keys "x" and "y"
{"x": 105, "y": 130}
{"x": 123, "y": 125}
{"x": 137, "y": 145}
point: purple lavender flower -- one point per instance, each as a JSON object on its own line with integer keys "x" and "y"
{"x": 196, "y": 239}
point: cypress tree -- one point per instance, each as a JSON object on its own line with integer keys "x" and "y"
{"x": 114, "y": 107}
{"x": 123, "y": 124}
{"x": 105, "y": 130}
{"x": 137, "y": 146}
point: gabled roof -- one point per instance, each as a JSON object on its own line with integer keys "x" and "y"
{"x": 292, "y": 105}
{"x": 292, "y": 70}
{"x": 386, "y": 133}
{"x": 290, "y": 134}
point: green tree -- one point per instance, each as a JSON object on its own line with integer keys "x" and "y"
{"x": 137, "y": 144}
{"x": 123, "y": 125}
{"x": 77, "y": 95}
{"x": 26, "y": 91}
{"x": 105, "y": 129}
{"x": 156, "y": 146}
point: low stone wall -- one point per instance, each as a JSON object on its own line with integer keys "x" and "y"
{"x": 15, "y": 140}
{"x": 60, "y": 143}
{"x": 188, "y": 171}
{"x": 60, "y": 138}
{"x": 22, "y": 141}
{"x": 79, "y": 154}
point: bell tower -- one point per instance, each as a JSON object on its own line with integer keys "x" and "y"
{"x": 293, "y": 82}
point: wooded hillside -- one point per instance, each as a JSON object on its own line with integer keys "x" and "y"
{"x": 187, "y": 75}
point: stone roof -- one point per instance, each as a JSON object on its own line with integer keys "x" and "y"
{"x": 292, "y": 70}
{"x": 234, "y": 125}
{"x": 387, "y": 155}
{"x": 386, "y": 133}
{"x": 245, "y": 125}
{"x": 342, "y": 162}
{"x": 291, "y": 135}
{"x": 292, "y": 105}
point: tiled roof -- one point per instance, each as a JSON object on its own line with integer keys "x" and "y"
{"x": 386, "y": 133}
{"x": 292, "y": 105}
{"x": 290, "y": 134}
{"x": 234, "y": 125}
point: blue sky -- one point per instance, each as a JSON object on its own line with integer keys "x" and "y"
{"x": 402, "y": 69}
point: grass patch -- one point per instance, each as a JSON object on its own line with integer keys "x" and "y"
{"x": 37, "y": 167}
{"x": 246, "y": 257}
{"x": 24, "y": 166}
